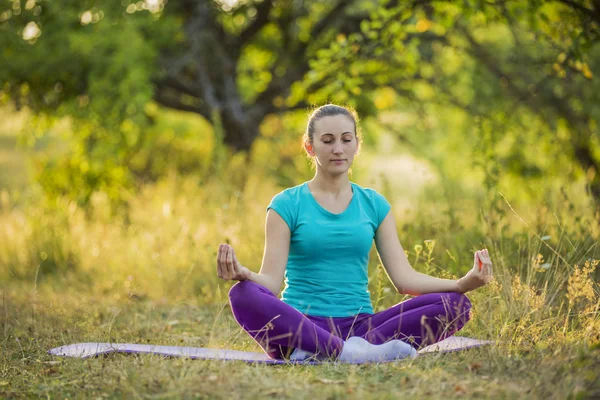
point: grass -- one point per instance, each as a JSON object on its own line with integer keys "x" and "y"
{"x": 14, "y": 174}
{"x": 76, "y": 276}
{"x": 34, "y": 321}
{"x": 72, "y": 275}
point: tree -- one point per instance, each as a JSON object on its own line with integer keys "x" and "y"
{"x": 528, "y": 70}
{"x": 233, "y": 66}
{"x": 104, "y": 62}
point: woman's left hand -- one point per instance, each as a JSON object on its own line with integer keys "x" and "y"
{"x": 480, "y": 275}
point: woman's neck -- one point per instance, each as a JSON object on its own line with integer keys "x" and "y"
{"x": 334, "y": 185}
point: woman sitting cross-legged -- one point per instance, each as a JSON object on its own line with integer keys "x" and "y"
{"x": 318, "y": 237}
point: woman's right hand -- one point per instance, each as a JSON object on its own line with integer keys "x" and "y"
{"x": 480, "y": 275}
{"x": 228, "y": 267}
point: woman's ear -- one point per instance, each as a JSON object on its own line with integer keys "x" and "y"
{"x": 309, "y": 148}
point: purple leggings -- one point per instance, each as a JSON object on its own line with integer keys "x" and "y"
{"x": 279, "y": 328}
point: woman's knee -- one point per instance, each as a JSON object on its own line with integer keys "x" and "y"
{"x": 459, "y": 305}
{"x": 240, "y": 298}
{"x": 245, "y": 290}
{"x": 240, "y": 290}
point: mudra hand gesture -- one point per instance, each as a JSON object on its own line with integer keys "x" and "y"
{"x": 480, "y": 275}
{"x": 228, "y": 267}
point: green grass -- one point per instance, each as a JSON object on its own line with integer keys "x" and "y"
{"x": 147, "y": 282}
{"x": 69, "y": 275}
{"x": 34, "y": 321}
{"x": 68, "y": 278}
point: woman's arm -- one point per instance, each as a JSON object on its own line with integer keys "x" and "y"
{"x": 404, "y": 278}
{"x": 275, "y": 256}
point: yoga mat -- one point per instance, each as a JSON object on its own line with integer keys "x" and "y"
{"x": 85, "y": 350}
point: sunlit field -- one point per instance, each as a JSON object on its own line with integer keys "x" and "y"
{"x": 71, "y": 275}
{"x": 135, "y": 137}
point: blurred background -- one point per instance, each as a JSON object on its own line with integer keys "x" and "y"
{"x": 137, "y": 136}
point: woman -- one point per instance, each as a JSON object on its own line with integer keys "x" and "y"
{"x": 318, "y": 236}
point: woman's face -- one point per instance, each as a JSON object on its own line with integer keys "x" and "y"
{"x": 334, "y": 144}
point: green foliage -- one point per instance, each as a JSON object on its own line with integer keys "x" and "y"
{"x": 496, "y": 98}
{"x": 79, "y": 65}
{"x": 470, "y": 97}
{"x": 502, "y": 84}
{"x": 173, "y": 142}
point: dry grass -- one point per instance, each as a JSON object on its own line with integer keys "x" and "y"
{"x": 71, "y": 275}
{"x": 33, "y": 321}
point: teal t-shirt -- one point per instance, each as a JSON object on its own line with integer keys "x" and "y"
{"x": 326, "y": 273}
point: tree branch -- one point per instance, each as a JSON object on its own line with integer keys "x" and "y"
{"x": 174, "y": 83}
{"x": 199, "y": 30}
{"x": 330, "y": 18}
{"x": 262, "y": 17}
{"x": 511, "y": 25}
{"x": 302, "y": 105}
{"x": 590, "y": 12}
{"x": 299, "y": 55}
{"x": 482, "y": 55}
{"x": 168, "y": 101}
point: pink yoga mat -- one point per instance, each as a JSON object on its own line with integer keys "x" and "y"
{"x": 85, "y": 350}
